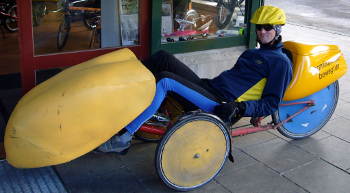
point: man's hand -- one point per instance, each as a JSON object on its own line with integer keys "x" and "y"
{"x": 226, "y": 110}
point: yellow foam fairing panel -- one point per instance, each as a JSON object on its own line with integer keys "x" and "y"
{"x": 77, "y": 110}
{"x": 315, "y": 66}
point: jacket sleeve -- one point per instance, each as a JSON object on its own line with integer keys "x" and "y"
{"x": 278, "y": 80}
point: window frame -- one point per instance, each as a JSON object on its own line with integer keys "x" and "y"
{"x": 248, "y": 40}
{"x": 30, "y": 63}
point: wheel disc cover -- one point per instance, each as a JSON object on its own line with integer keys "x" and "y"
{"x": 313, "y": 118}
{"x": 194, "y": 154}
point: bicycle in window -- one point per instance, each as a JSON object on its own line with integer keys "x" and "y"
{"x": 89, "y": 15}
{"x": 8, "y": 16}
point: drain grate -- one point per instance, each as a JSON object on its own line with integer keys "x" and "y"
{"x": 29, "y": 180}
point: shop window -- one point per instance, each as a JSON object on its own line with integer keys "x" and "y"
{"x": 190, "y": 20}
{"x": 76, "y": 25}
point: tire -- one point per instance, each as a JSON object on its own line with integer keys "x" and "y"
{"x": 38, "y": 14}
{"x": 225, "y": 9}
{"x": 63, "y": 32}
{"x": 192, "y": 152}
{"x": 11, "y": 24}
{"x": 312, "y": 119}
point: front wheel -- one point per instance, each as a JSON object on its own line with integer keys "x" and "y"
{"x": 192, "y": 152}
{"x": 38, "y": 14}
{"x": 312, "y": 119}
{"x": 11, "y": 23}
{"x": 63, "y": 32}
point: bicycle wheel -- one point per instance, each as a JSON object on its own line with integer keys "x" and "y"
{"x": 192, "y": 152}
{"x": 225, "y": 9}
{"x": 63, "y": 32}
{"x": 38, "y": 14}
{"x": 11, "y": 24}
{"x": 312, "y": 119}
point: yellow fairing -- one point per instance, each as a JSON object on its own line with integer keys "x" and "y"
{"x": 315, "y": 66}
{"x": 77, "y": 110}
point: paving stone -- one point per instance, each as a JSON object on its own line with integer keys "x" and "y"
{"x": 344, "y": 84}
{"x": 240, "y": 160}
{"x": 342, "y": 111}
{"x": 140, "y": 159}
{"x": 342, "y": 101}
{"x": 155, "y": 185}
{"x": 119, "y": 180}
{"x": 279, "y": 155}
{"x": 315, "y": 137}
{"x": 88, "y": 165}
{"x": 252, "y": 139}
{"x": 319, "y": 176}
{"x": 256, "y": 178}
{"x": 338, "y": 128}
{"x": 333, "y": 150}
{"x": 344, "y": 97}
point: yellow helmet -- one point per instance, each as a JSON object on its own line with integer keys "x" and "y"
{"x": 269, "y": 15}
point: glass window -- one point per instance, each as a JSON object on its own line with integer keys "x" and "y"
{"x": 185, "y": 20}
{"x": 75, "y": 25}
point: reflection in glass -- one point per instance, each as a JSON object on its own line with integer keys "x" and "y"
{"x": 75, "y": 25}
{"x": 184, "y": 20}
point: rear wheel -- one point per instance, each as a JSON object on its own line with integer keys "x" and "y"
{"x": 63, "y": 32}
{"x": 192, "y": 152}
{"x": 311, "y": 120}
{"x": 11, "y": 24}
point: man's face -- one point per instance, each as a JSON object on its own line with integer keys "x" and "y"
{"x": 265, "y": 33}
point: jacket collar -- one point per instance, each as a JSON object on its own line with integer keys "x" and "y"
{"x": 274, "y": 44}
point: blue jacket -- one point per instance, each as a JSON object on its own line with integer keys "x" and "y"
{"x": 260, "y": 78}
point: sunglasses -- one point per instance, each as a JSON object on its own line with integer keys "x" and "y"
{"x": 266, "y": 27}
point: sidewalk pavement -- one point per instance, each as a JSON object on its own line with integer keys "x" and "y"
{"x": 264, "y": 161}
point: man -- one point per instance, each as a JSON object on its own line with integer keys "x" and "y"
{"x": 254, "y": 87}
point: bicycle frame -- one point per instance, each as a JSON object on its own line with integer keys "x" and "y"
{"x": 5, "y": 15}
{"x": 81, "y": 10}
{"x": 243, "y": 131}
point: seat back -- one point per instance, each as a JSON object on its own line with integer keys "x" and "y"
{"x": 288, "y": 53}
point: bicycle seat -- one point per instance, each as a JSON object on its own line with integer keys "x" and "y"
{"x": 75, "y": 111}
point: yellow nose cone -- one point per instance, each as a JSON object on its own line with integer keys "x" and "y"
{"x": 77, "y": 110}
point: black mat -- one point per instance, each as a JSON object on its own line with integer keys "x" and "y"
{"x": 29, "y": 180}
